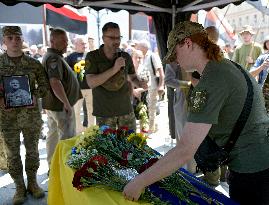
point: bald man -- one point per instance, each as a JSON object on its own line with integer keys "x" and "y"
{"x": 75, "y": 61}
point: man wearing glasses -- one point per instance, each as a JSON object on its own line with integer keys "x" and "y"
{"x": 107, "y": 71}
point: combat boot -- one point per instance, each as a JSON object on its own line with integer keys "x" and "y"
{"x": 20, "y": 194}
{"x": 34, "y": 189}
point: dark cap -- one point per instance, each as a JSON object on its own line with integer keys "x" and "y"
{"x": 181, "y": 31}
{"x": 11, "y": 30}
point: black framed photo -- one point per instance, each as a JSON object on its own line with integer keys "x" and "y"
{"x": 17, "y": 91}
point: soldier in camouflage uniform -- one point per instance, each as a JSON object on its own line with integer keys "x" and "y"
{"x": 22, "y": 119}
{"x": 3, "y": 155}
{"x": 107, "y": 72}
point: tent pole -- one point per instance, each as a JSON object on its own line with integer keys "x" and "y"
{"x": 45, "y": 37}
{"x": 173, "y": 15}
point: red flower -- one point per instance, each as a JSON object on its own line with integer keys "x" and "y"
{"x": 124, "y": 160}
{"x": 108, "y": 131}
{"x": 76, "y": 180}
{"x": 124, "y": 154}
{"x": 124, "y": 128}
{"x": 147, "y": 165}
{"x": 100, "y": 159}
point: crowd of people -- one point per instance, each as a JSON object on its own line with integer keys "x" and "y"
{"x": 117, "y": 87}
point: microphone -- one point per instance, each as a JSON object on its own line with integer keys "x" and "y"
{"x": 119, "y": 54}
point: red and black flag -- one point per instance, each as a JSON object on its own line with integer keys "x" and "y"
{"x": 66, "y": 18}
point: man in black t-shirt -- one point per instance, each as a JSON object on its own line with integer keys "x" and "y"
{"x": 76, "y": 61}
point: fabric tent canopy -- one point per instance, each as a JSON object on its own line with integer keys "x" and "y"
{"x": 162, "y": 11}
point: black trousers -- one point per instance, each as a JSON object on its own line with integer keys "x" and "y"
{"x": 249, "y": 189}
{"x": 171, "y": 115}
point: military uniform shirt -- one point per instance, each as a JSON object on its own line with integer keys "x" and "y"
{"x": 109, "y": 103}
{"x": 218, "y": 99}
{"x": 57, "y": 67}
{"x": 24, "y": 65}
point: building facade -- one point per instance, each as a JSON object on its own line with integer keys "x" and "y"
{"x": 246, "y": 14}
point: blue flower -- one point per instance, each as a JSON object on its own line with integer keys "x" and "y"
{"x": 74, "y": 150}
{"x": 104, "y": 127}
{"x": 131, "y": 131}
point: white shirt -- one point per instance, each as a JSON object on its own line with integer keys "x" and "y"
{"x": 157, "y": 65}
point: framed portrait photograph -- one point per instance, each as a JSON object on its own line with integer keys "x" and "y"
{"x": 17, "y": 91}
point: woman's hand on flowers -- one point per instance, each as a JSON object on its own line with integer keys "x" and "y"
{"x": 133, "y": 190}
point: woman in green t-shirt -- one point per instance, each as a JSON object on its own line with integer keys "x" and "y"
{"x": 214, "y": 106}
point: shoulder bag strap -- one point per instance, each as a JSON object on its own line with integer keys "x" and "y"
{"x": 243, "y": 117}
{"x": 152, "y": 66}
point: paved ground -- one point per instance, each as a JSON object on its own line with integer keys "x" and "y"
{"x": 160, "y": 140}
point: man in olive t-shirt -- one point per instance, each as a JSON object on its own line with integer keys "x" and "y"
{"x": 62, "y": 96}
{"x": 249, "y": 51}
{"x": 107, "y": 72}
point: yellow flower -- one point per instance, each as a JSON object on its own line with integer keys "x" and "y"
{"x": 138, "y": 139}
{"x": 82, "y": 64}
{"x": 87, "y": 137}
{"x": 77, "y": 67}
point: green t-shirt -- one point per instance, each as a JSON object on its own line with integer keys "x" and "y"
{"x": 219, "y": 99}
{"x": 57, "y": 67}
{"x": 241, "y": 53}
{"x": 108, "y": 103}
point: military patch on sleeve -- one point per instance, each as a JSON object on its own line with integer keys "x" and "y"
{"x": 87, "y": 63}
{"x": 53, "y": 63}
{"x": 197, "y": 100}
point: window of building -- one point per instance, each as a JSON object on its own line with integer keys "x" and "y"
{"x": 255, "y": 20}
{"x": 263, "y": 18}
{"x": 247, "y": 19}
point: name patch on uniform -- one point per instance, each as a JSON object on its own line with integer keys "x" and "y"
{"x": 197, "y": 100}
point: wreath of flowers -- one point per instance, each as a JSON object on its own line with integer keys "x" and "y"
{"x": 107, "y": 158}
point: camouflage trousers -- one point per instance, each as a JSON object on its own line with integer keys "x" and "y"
{"x": 12, "y": 144}
{"x": 265, "y": 91}
{"x": 118, "y": 121}
{"x": 29, "y": 123}
{"x": 3, "y": 154}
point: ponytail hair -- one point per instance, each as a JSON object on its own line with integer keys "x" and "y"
{"x": 213, "y": 51}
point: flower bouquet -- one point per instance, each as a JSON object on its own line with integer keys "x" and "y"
{"x": 107, "y": 158}
{"x": 79, "y": 69}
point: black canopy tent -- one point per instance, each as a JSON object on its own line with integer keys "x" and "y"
{"x": 164, "y": 12}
